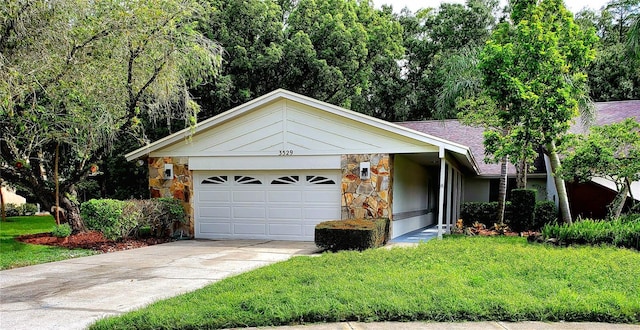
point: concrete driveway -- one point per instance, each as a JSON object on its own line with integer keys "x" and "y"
{"x": 73, "y": 293}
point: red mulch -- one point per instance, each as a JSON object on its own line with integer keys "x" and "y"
{"x": 91, "y": 240}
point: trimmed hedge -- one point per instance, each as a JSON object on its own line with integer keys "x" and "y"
{"x": 621, "y": 232}
{"x": 15, "y": 210}
{"x": 545, "y": 213}
{"x": 483, "y": 212}
{"x": 353, "y": 234}
{"x": 518, "y": 217}
{"x": 109, "y": 217}
{"x": 120, "y": 219}
{"x": 523, "y": 204}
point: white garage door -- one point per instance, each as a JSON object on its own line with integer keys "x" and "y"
{"x": 278, "y": 205}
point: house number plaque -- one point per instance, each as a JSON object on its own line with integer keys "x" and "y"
{"x": 286, "y": 152}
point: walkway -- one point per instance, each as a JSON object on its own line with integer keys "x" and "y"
{"x": 417, "y": 236}
{"x": 72, "y": 294}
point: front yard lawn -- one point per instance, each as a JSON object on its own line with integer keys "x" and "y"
{"x": 17, "y": 254}
{"x": 455, "y": 279}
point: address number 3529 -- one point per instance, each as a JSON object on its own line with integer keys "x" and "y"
{"x": 286, "y": 153}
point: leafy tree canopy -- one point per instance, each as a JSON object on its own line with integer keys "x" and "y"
{"x": 78, "y": 75}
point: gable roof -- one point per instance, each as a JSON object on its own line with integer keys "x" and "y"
{"x": 453, "y": 130}
{"x": 172, "y": 142}
{"x": 609, "y": 113}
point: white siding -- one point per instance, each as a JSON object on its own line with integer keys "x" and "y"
{"x": 290, "y": 126}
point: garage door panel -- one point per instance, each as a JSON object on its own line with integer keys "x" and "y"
{"x": 214, "y": 197}
{"x": 249, "y": 228}
{"x": 279, "y": 213}
{"x": 249, "y": 212}
{"x": 285, "y": 229}
{"x": 309, "y": 230}
{"x": 320, "y": 197}
{"x": 284, "y": 196}
{"x": 248, "y": 196}
{"x": 312, "y": 213}
{"x": 217, "y": 228}
{"x": 222, "y": 212}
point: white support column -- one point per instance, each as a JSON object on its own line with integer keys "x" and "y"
{"x": 449, "y": 193}
{"x": 443, "y": 168}
{"x": 458, "y": 196}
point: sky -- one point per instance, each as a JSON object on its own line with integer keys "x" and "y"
{"x": 573, "y": 5}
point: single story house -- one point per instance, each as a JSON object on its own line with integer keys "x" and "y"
{"x": 276, "y": 166}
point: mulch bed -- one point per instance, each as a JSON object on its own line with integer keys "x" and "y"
{"x": 91, "y": 240}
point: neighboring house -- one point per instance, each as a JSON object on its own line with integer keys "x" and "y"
{"x": 590, "y": 200}
{"x": 276, "y": 166}
{"x": 10, "y": 197}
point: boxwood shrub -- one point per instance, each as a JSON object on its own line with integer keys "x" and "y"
{"x": 109, "y": 217}
{"x": 352, "y": 234}
{"x": 483, "y": 212}
{"x": 545, "y": 213}
{"x": 523, "y": 204}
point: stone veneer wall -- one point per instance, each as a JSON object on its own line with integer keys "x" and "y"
{"x": 366, "y": 199}
{"x": 180, "y": 187}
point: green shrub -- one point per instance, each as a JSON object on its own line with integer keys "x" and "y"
{"x": 622, "y": 232}
{"x": 15, "y": 210}
{"x": 523, "y": 203}
{"x": 63, "y": 230}
{"x": 159, "y": 214}
{"x": 106, "y": 216}
{"x": 29, "y": 209}
{"x": 545, "y": 213}
{"x": 12, "y": 210}
{"x": 353, "y": 234}
{"x": 483, "y": 212}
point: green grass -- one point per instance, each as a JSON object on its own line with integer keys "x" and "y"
{"x": 17, "y": 254}
{"x": 455, "y": 279}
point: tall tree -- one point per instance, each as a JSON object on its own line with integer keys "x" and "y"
{"x": 614, "y": 74}
{"x": 633, "y": 38}
{"x": 533, "y": 69}
{"x": 432, "y": 37}
{"x": 78, "y": 75}
{"x": 252, "y": 34}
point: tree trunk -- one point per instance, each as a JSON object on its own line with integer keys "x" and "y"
{"x": 57, "y": 181}
{"x": 502, "y": 191}
{"x": 521, "y": 174}
{"x": 73, "y": 214}
{"x": 3, "y": 211}
{"x": 616, "y": 206}
{"x": 563, "y": 198}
